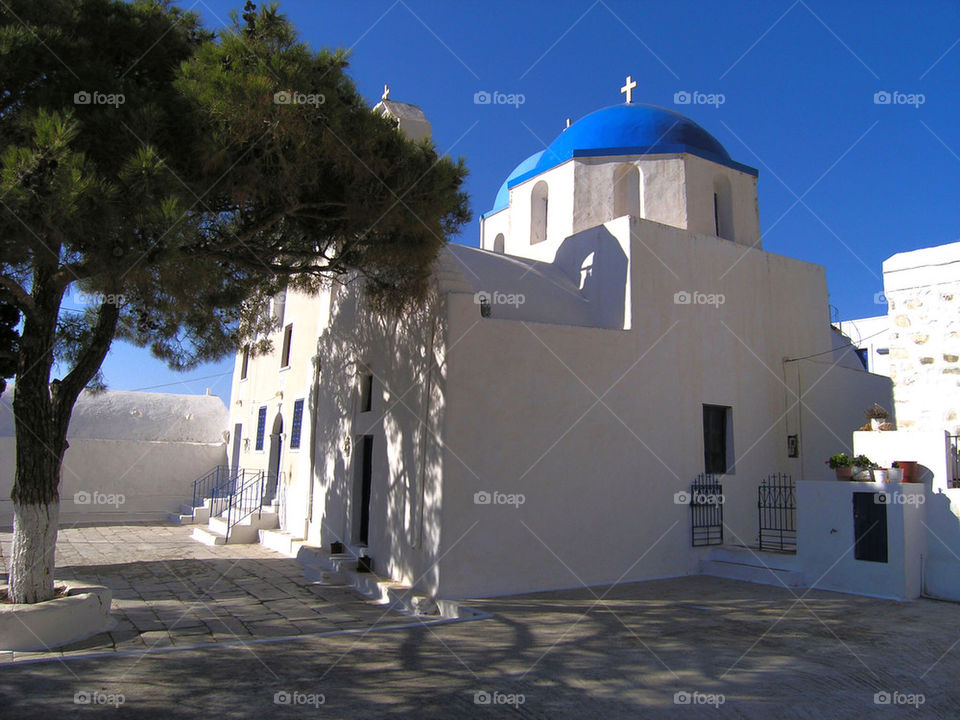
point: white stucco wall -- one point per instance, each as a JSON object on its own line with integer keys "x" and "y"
{"x": 942, "y": 564}
{"x": 132, "y": 456}
{"x": 675, "y": 190}
{"x": 277, "y": 388}
{"x": 598, "y": 479}
{"x": 832, "y": 399}
{"x": 929, "y": 449}
{"x": 826, "y": 539}
{"x": 873, "y": 335}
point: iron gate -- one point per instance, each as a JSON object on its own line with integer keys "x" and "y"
{"x": 706, "y": 510}
{"x": 777, "y": 508}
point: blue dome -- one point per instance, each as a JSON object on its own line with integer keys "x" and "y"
{"x": 630, "y": 129}
{"x": 503, "y": 194}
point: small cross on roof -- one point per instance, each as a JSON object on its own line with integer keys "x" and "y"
{"x": 628, "y": 88}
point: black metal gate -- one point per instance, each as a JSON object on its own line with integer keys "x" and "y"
{"x": 706, "y": 510}
{"x": 777, "y": 508}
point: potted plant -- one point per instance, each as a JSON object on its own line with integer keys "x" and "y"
{"x": 909, "y": 468}
{"x": 895, "y": 473}
{"x": 862, "y": 465}
{"x": 876, "y": 415}
{"x": 881, "y": 475}
{"x": 841, "y": 464}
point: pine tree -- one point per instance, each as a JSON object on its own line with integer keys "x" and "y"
{"x": 172, "y": 181}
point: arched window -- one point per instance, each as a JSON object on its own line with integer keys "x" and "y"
{"x": 627, "y": 191}
{"x": 498, "y": 243}
{"x": 722, "y": 208}
{"x": 586, "y": 270}
{"x": 538, "y": 213}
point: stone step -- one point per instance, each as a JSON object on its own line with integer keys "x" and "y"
{"x": 281, "y": 541}
{"x": 181, "y": 519}
{"x": 208, "y": 536}
{"x": 266, "y": 521}
{"x": 320, "y": 565}
{"x": 752, "y": 556}
{"x": 779, "y": 577}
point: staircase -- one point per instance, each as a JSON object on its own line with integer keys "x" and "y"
{"x": 230, "y": 504}
{"x": 751, "y": 565}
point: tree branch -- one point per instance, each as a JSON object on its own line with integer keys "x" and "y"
{"x": 89, "y": 360}
{"x": 21, "y": 298}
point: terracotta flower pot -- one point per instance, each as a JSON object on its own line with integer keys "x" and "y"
{"x": 909, "y": 468}
{"x": 844, "y": 473}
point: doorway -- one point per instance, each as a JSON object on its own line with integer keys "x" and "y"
{"x": 273, "y": 465}
{"x": 365, "y": 482}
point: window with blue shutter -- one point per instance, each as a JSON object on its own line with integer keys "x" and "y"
{"x": 261, "y": 426}
{"x": 297, "y": 424}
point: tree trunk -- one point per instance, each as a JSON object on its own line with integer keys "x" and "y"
{"x": 34, "y": 547}
{"x": 41, "y": 414}
{"x": 40, "y": 442}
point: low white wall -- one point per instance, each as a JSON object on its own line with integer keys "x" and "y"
{"x": 942, "y": 564}
{"x": 826, "y": 539}
{"x": 119, "y": 480}
{"x": 927, "y": 448}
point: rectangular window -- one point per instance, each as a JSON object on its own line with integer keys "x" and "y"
{"x": 716, "y": 215}
{"x": 297, "y": 424}
{"x": 366, "y": 392}
{"x": 261, "y": 426}
{"x": 285, "y": 353}
{"x": 717, "y": 439}
{"x": 245, "y": 362}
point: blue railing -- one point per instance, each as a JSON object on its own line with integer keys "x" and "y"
{"x": 216, "y": 482}
{"x": 247, "y": 499}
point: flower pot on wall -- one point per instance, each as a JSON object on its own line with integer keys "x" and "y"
{"x": 895, "y": 474}
{"x": 861, "y": 474}
{"x": 909, "y": 468}
{"x": 844, "y": 473}
{"x": 880, "y": 475}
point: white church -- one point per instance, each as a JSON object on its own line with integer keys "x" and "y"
{"x": 618, "y": 332}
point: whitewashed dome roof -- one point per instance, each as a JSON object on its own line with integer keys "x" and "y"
{"x": 150, "y": 417}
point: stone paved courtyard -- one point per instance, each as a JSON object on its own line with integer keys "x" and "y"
{"x": 694, "y": 647}
{"x": 170, "y": 590}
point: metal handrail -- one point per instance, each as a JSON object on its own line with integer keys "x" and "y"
{"x": 246, "y": 499}
{"x": 211, "y": 484}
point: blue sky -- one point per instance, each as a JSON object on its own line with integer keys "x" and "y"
{"x": 844, "y": 182}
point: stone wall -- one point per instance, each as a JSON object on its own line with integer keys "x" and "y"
{"x": 923, "y": 293}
